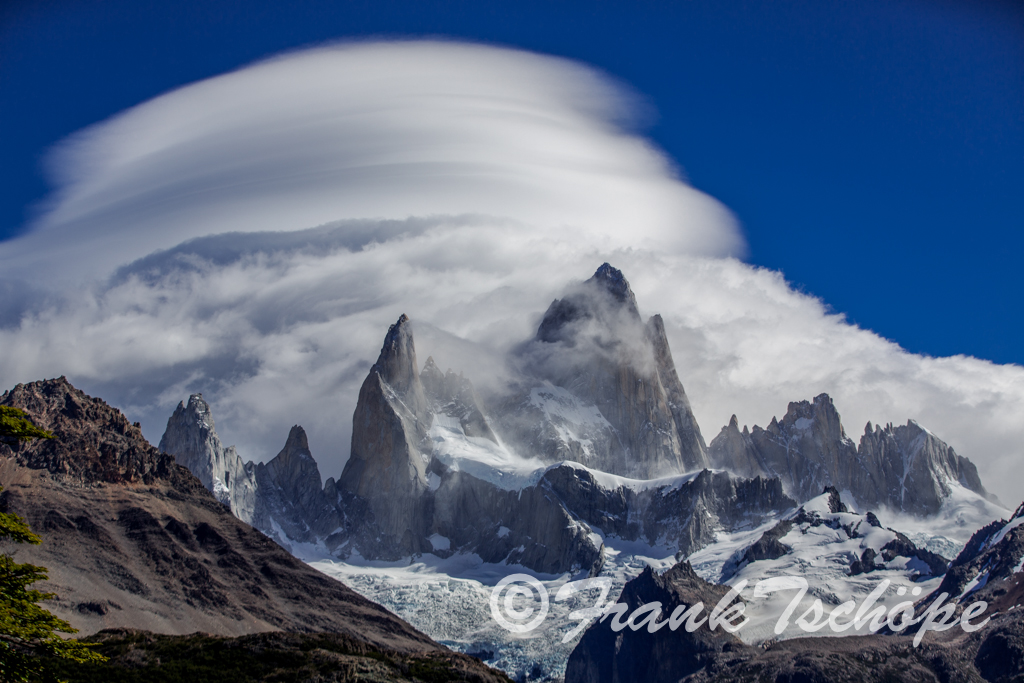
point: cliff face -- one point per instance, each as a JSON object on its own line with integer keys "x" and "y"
{"x": 192, "y": 439}
{"x": 905, "y": 468}
{"x": 134, "y": 540}
{"x": 912, "y": 469}
{"x": 402, "y": 493}
{"x": 292, "y": 505}
{"x": 604, "y": 655}
{"x": 432, "y": 469}
{"x": 386, "y": 467}
{"x": 593, "y": 344}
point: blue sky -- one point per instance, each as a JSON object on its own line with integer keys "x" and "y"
{"x": 873, "y": 151}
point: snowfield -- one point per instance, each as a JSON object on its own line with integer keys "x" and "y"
{"x": 448, "y": 599}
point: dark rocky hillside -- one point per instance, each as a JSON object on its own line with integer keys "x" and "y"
{"x": 993, "y": 653}
{"x": 133, "y": 540}
{"x": 142, "y": 657}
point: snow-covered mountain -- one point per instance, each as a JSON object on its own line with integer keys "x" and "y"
{"x": 905, "y": 468}
{"x": 589, "y": 464}
{"x": 594, "y": 345}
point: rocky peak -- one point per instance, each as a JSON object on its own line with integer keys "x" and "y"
{"x": 386, "y": 466}
{"x": 692, "y": 449}
{"x": 397, "y": 360}
{"x": 453, "y": 395}
{"x": 666, "y": 655}
{"x": 835, "y": 502}
{"x": 294, "y": 466}
{"x": 605, "y": 301}
{"x": 593, "y": 343}
{"x": 191, "y": 437}
{"x": 988, "y": 567}
{"x": 914, "y": 467}
{"x": 614, "y": 282}
{"x": 906, "y": 468}
{"x": 198, "y": 411}
{"x": 431, "y": 375}
{"x": 291, "y": 497}
{"x": 93, "y": 442}
{"x": 821, "y": 414}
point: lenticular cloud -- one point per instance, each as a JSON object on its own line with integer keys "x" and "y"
{"x": 252, "y": 236}
{"x": 375, "y": 130}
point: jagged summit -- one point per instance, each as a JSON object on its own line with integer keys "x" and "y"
{"x": 191, "y": 437}
{"x": 134, "y": 541}
{"x": 386, "y": 466}
{"x": 605, "y": 301}
{"x": 593, "y": 343}
{"x": 615, "y": 283}
{"x": 904, "y": 468}
{"x": 93, "y": 441}
{"x": 396, "y": 363}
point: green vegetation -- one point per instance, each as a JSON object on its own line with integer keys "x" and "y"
{"x": 15, "y": 426}
{"x": 29, "y": 639}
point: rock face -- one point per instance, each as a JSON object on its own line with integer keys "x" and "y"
{"x": 292, "y": 505}
{"x": 826, "y": 530}
{"x": 667, "y": 655}
{"x": 134, "y": 540}
{"x": 989, "y": 568}
{"x": 905, "y": 468}
{"x": 992, "y": 653}
{"x": 283, "y": 498}
{"x": 192, "y": 439}
{"x": 386, "y": 467}
{"x": 433, "y": 469}
{"x": 594, "y": 345}
{"x": 93, "y": 442}
{"x": 400, "y": 494}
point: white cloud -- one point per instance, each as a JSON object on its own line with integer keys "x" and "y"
{"x": 378, "y": 130}
{"x": 462, "y": 185}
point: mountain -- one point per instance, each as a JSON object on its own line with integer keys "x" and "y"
{"x": 428, "y": 475}
{"x": 989, "y": 568}
{"x": 597, "y": 421}
{"x": 594, "y": 344}
{"x": 549, "y": 519}
{"x": 824, "y": 532}
{"x": 131, "y": 539}
{"x": 994, "y": 652}
{"x": 590, "y": 463}
{"x": 386, "y": 466}
{"x": 905, "y": 468}
{"x": 604, "y": 655}
{"x": 192, "y": 438}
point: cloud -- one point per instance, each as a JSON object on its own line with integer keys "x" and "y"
{"x": 378, "y": 130}
{"x": 466, "y": 186}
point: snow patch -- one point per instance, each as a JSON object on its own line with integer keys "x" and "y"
{"x": 1005, "y": 530}
{"x": 976, "y": 583}
{"x": 803, "y": 423}
{"x": 439, "y": 542}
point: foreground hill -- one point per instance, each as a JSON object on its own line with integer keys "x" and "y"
{"x": 141, "y": 657}
{"x": 134, "y": 540}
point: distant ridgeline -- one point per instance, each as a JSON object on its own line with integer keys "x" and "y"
{"x": 596, "y": 439}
